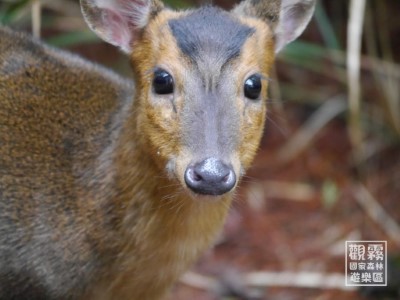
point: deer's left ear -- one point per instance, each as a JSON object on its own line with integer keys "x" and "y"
{"x": 119, "y": 22}
{"x": 287, "y": 18}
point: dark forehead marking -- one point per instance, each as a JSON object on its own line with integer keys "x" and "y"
{"x": 210, "y": 31}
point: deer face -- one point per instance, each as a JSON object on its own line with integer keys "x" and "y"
{"x": 203, "y": 91}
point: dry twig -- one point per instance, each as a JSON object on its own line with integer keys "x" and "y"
{"x": 36, "y": 18}
{"x": 262, "y": 280}
{"x": 354, "y": 38}
{"x": 330, "y": 109}
{"x": 377, "y": 213}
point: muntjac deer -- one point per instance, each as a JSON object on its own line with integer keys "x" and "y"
{"x": 111, "y": 189}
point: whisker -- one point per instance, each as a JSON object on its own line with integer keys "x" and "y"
{"x": 176, "y": 184}
{"x": 284, "y": 131}
{"x": 273, "y": 101}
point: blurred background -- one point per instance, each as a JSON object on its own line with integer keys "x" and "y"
{"x": 328, "y": 169}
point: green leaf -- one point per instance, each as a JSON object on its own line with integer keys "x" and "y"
{"x": 10, "y": 11}
{"x": 326, "y": 28}
{"x": 330, "y": 194}
{"x": 73, "y": 38}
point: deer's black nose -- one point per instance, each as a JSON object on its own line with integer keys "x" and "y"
{"x": 210, "y": 177}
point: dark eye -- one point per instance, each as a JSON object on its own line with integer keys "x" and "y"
{"x": 252, "y": 87}
{"x": 163, "y": 83}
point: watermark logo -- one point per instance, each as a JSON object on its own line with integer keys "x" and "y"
{"x": 366, "y": 263}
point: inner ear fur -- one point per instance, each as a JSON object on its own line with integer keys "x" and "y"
{"x": 119, "y": 22}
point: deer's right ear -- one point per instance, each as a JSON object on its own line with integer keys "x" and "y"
{"x": 119, "y": 22}
{"x": 287, "y": 18}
